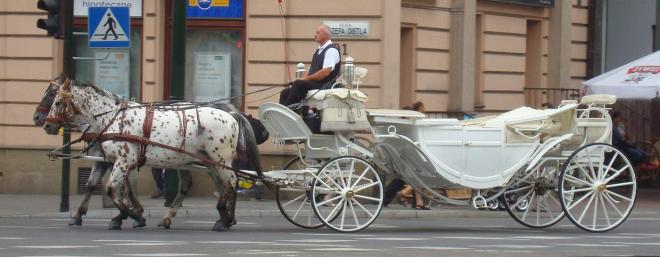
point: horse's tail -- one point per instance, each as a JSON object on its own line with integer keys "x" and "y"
{"x": 246, "y": 149}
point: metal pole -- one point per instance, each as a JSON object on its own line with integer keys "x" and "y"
{"x": 68, "y": 69}
{"x": 656, "y": 31}
{"x": 177, "y": 78}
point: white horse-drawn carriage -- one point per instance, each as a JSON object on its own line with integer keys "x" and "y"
{"x": 541, "y": 164}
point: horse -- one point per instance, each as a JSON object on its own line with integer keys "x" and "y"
{"x": 99, "y": 168}
{"x": 178, "y": 135}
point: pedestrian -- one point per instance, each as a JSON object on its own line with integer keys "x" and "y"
{"x": 159, "y": 178}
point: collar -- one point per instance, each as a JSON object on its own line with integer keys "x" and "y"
{"x": 327, "y": 43}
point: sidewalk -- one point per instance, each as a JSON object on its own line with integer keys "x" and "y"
{"x": 47, "y": 206}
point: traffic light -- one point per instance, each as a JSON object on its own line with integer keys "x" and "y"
{"x": 54, "y": 24}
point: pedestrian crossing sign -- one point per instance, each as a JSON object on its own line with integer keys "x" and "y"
{"x": 109, "y": 27}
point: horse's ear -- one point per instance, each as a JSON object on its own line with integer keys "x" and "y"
{"x": 67, "y": 84}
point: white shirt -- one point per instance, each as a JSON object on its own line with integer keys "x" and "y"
{"x": 331, "y": 56}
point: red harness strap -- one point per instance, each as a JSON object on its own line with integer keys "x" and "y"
{"x": 146, "y": 131}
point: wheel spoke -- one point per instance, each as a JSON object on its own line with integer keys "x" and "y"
{"x": 573, "y": 179}
{"x": 548, "y": 207}
{"x": 343, "y": 215}
{"x": 618, "y": 172}
{"x": 348, "y": 182}
{"x": 518, "y": 190}
{"x": 341, "y": 175}
{"x": 328, "y": 187}
{"x": 357, "y": 223}
{"x": 329, "y": 200}
{"x": 579, "y": 190}
{"x": 364, "y": 209}
{"x": 367, "y": 198}
{"x": 586, "y": 208}
{"x": 591, "y": 166}
{"x": 361, "y": 176}
{"x": 528, "y": 206}
{"x": 611, "y": 202}
{"x": 602, "y": 204}
{"x": 621, "y": 184}
{"x": 609, "y": 166}
{"x": 595, "y": 210}
{"x": 554, "y": 198}
{"x": 333, "y": 212}
{"x": 618, "y": 195}
{"x": 579, "y": 201}
{"x": 298, "y": 210}
{"x": 538, "y": 210}
{"x": 521, "y": 199}
{"x": 365, "y": 186}
{"x": 581, "y": 169}
{"x": 294, "y": 199}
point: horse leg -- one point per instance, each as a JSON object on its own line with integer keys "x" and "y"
{"x": 98, "y": 170}
{"x": 226, "y": 200}
{"x": 116, "y": 191}
{"x": 185, "y": 177}
{"x": 136, "y": 212}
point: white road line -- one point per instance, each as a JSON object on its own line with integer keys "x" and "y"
{"x": 59, "y": 256}
{"x": 512, "y": 246}
{"x": 11, "y": 238}
{"x": 643, "y": 218}
{"x": 343, "y": 249}
{"x": 434, "y": 248}
{"x": 516, "y": 251}
{"x": 592, "y": 245}
{"x": 480, "y": 238}
{"x": 383, "y": 226}
{"x": 56, "y": 246}
{"x": 395, "y": 238}
{"x": 640, "y": 243}
{"x": 143, "y": 244}
{"x": 86, "y": 220}
{"x": 618, "y": 237}
{"x": 328, "y": 234}
{"x": 36, "y": 227}
{"x": 317, "y": 240}
{"x": 544, "y": 237}
{"x": 640, "y": 234}
{"x": 213, "y": 222}
{"x": 136, "y": 241}
{"x": 488, "y": 251}
{"x": 161, "y": 254}
{"x": 232, "y": 242}
{"x": 258, "y": 252}
{"x": 305, "y": 245}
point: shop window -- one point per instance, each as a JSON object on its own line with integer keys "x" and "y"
{"x": 111, "y": 73}
{"x": 214, "y": 65}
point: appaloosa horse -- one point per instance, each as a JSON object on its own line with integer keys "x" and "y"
{"x": 98, "y": 168}
{"x": 133, "y": 135}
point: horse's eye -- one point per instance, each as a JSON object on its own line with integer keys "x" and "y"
{"x": 57, "y": 103}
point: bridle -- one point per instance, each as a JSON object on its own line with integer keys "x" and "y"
{"x": 46, "y": 109}
{"x": 66, "y": 109}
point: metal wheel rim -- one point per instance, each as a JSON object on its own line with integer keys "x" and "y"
{"x": 301, "y": 212}
{"x": 592, "y": 187}
{"x": 533, "y": 200}
{"x": 348, "y": 207}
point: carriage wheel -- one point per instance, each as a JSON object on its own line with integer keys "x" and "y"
{"x": 350, "y": 194}
{"x": 597, "y": 187}
{"x": 295, "y": 204}
{"x": 532, "y": 198}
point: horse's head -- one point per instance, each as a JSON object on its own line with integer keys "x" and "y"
{"x": 63, "y": 110}
{"x": 40, "y": 113}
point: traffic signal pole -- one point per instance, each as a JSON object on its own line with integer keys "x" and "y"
{"x": 68, "y": 70}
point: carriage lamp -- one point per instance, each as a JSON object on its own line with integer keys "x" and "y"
{"x": 300, "y": 70}
{"x": 348, "y": 74}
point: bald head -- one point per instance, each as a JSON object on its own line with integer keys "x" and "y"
{"x": 322, "y": 34}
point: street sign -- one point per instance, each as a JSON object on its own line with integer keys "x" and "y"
{"x": 109, "y": 27}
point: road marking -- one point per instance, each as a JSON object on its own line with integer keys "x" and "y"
{"x": 36, "y": 227}
{"x": 56, "y": 246}
{"x": 343, "y": 249}
{"x": 213, "y": 222}
{"x": 383, "y": 226}
{"x": 58, "y": 256}
{"x": 232, "y": 242}
{"x": 143, "y": 244}
{"x": 313, "y": 245}
{"x": 640, "y": 243}
{"x": 592, "y": 245}
{"x": 86, "y": 220}
{"x": 640, "y": 234}
{"x": 512, "y": 246}
{"x": 544, "y": 237}
{"x": 257, "y": 252}
{"x": 322, "y": 234}
{"x": 516, "y": 251}
{"x": 136, "y": 241}
{"x": 481, "y": 238}
{"x": 395, "y": 238}
{"x": 434, "y": 248}
{"x": 618, "y": 237}
{"x": 317, "y": 240}
{"x": 11, "y": 238}
{"x": 162, "y": 254}
{"x": 643, "y": 218}
{"x": 488, "y": 251}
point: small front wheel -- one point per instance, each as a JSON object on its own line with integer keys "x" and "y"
{"x": 348, "y": 194}
{"x": 295, "y": 203}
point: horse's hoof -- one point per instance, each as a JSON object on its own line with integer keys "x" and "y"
{"x": 166, "y": 223}
{"x": 141, "y": 222}
{"x": 75, "y": 222}
{"x": 115, "y": 225}
{"x": 219, "y": 227}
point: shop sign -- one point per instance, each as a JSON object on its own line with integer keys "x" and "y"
{"x": 344, "y": 29}
{"x": 212, "y": 75}
{"x": 80, "y": 7}
{"x": 112, "y": 73}
{"x": 216, "y": 9}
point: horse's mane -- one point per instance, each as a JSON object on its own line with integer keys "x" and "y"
{"x": 89, "y": 84}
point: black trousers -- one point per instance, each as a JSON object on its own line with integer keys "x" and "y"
{"x": 392, "y": 188}
{"x": 298, "y": 90}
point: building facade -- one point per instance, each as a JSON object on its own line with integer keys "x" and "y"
{"x": 457, "y": 56}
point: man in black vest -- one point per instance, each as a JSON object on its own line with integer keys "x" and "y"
{"x": 324, "y": 69}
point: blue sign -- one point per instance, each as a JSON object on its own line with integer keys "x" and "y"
{"x": 109, "y": 27}
{"x": 216, "y": 9}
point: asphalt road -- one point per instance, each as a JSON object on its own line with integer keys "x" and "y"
{"x": 273, "y": 236}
